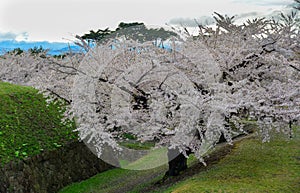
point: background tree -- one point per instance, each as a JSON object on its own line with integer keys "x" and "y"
{"x": 97, "y": 36}
{"x": 134, "y": 31}
{"x": 16, "y": 51}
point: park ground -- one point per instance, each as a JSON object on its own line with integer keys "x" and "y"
{"x": 247, "y": 166}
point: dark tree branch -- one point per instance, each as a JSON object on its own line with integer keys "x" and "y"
{"x": 67, "y": 67}
{"x": 294, "y": 67}
{"x": 63, "y": 72}
{"x": 58, "y": 96}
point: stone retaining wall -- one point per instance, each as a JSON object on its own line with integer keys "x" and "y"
{"x": 50, "y": 171}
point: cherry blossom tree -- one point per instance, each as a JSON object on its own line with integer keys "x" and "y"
{"x": 52, "y": 76}
{"x": 185, "y": 98}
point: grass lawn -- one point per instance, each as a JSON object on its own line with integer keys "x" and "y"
{"x": 251, "y": 166}
{"x": 117, "y": 180}
{"x": 28, "y": 125}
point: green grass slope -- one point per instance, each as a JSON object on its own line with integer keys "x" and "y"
{"x": 251, "y": 166}
{"x": 28, "y": 125}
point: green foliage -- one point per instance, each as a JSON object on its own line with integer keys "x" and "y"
{"x": 97, "y": 36}
{"x": 128, "y": 136}
{"x": 28, "y": 125}
{"x": 16, "y": 51}
{"x": 60, "y": 56}
{"x": 38, "y": 51}
{"x": 137, "y": 145}
{"x": 123, "y": 25}
{"x": 130, "y": 141}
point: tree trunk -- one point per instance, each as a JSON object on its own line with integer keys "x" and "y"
{"x": 177, "y": 162}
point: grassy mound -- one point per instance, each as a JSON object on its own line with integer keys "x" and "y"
{"x": 28, "y": 125}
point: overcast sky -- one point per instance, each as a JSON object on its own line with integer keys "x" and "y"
{"x": 58, "y": 20}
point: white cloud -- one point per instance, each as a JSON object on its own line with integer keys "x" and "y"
{"x": 247, "y": 15}
{"x": 265, "y": 2}
{"x": 13, "y": 36}
{"x": 54, "y": 20}
{"x": 189, "y": 22}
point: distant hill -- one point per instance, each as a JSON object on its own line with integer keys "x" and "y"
{"x": 55, "y": 48}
